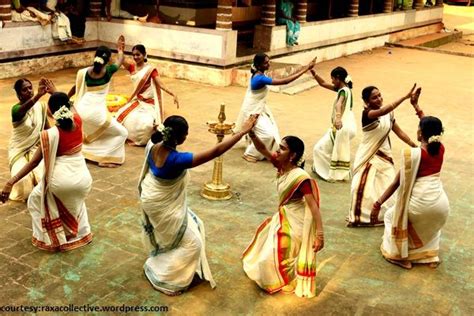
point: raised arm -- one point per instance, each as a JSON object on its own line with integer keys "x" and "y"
{"x": 33, "y": 163}
{"x": 260, "y": 146}
{"x": 72, "y": 91}
{"x": 414, "y": 101}
{"x": 402, "y": 135}
{"x": 120, "y": 49}
{"x": 48, "y": 83}
{"x": 373, "y": 114}
{"x": 219, "y": 149}
{"x": 28, "y": 104}
{"x": 313, "y": 206}
{"x": 294, "y": 76}
{"x": 160, "y": 85}
{"x": 321, "y": 81}
{"x": 126, "y": 64}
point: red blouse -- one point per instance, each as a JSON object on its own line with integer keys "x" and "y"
{"x": 430, "y": 164}
{"x": 69, "y": 140}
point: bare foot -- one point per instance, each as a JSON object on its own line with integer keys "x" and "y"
{"x": 108, "y": 165}
{"x": 142, "y": 18}
{"x": 249, "y": 158}
{"x": 405, "y": 264}
{"x": 434, "y": 265}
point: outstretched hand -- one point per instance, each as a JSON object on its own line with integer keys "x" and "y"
{"x": 48, "y": 83}
{"x": 250, "y": 123}
{"x": 408, "y": 96}
{"x": 42, "y": 89}
{"x": 312, "y": 63}
{"x": 121, "y": 43}
{"x": 415, "y": 96}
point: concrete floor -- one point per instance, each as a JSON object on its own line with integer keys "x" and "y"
{"x": 353, "y": 278}
{"x": 460, "y": 18}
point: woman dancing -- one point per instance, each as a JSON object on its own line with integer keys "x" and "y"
{"x": 145, "y": 109}
{"x": 281, "y": 255}
{"x": 104, "y": 137}
{"x": 28, "y": 120}
{"x": 174, "y": 235}
{"x": 332, "y": 153}
{"x": 413, "y": 226}
{"x": 373, "y": 164}
{"x": 57, "y": 203}
{"x": 255, "y": 102}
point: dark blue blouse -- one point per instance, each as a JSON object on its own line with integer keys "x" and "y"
{"x": 174, "y": 165}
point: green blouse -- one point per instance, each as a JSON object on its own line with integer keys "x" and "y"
{"x": 109, "y": 71}
{"x": 16, "y": 116}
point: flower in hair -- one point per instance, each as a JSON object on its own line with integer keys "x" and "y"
{"x": 165, "y": 131}
{"x": 63, "y": 113}
{"x": 348, "y": 79}
{"x": 99, "y": 60}
{"x": 300, "y": 161}
{"x": 434, "y": 139}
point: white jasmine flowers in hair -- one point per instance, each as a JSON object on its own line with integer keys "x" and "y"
{"x": 165, "y": 131}
{"x": 160, "y": 128}
{"x": 99, "y": 60}
{"x": 434, "y": 139}
{"x": 300, "y": 161}
{"x": 63, "y": 113}
{"x": 348, "y": 79}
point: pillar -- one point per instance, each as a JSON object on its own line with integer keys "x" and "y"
{"x": 224, "y": 15}
{"x": 6, "y": 10}
{"x": 388, "y": 6}
{"x": 354, "y": 8}
{"x": 94, "y": 6}
{"x": 419, "y": 4}
{"x": 301, "y": 11}
{"x": 268, "y": 13}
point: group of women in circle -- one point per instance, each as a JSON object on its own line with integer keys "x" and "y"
{"x": 48, "y": 168}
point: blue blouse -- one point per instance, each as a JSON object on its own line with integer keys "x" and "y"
{"x": 259, "y": 81}
{"x": 174, "y": 165}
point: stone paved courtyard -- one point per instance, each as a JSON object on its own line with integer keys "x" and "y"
{"x": 353, "y": 278}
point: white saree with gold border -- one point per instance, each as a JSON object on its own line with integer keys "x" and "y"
{"x": 332, "y": 153}
{"x": 57, "y": 204}
{"x": 23, "y": 144}
{"x": 281, "y": 252}
{"x": 104, "y": 137}
{"x": 173, "y": 235}
{"x": 266, "y": 128}
{"x": 144, "y": 110}
{"x": 373, "y": 172}
{"x": 413, "y": 225}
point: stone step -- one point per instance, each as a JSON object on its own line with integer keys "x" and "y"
{"x": 433, "y": 40}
